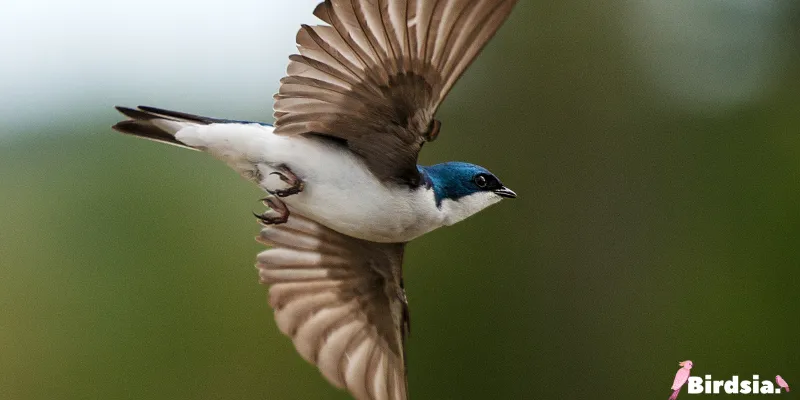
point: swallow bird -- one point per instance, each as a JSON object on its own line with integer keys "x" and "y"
{"x": 782, "y": 383}
{"x": 340, "y": 167}
{"x": 680, "y": 378}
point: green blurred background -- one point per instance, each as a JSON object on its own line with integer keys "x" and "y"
{"x": 655, "y": 148}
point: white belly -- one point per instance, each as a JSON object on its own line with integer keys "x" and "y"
{"x": 342, "y": 194}
{"x": 339, "y": 191}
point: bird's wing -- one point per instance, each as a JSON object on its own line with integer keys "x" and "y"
{"x": 341, "y": 301}
{"x": 680, "y": 378}
{"x": 376, "y": 74}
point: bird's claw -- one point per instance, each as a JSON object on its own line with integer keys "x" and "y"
{"x": 277, "y": 214}
{"x": 296, "y": 185}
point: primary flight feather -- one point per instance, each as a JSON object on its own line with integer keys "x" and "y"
{"x": 340, "y": 165}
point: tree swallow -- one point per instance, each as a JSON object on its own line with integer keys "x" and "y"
{"x": 340, "y": 165}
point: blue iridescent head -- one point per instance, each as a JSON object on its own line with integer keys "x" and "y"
{"x": 456, "y": 180}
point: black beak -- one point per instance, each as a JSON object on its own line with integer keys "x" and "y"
{"x": 505, "y": 192}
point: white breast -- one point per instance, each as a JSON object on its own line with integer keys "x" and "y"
{"x": 342, "y": 194}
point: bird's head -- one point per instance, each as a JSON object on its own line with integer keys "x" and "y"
{"x": 463, "y": 189}
{"x": 686, "y": 364}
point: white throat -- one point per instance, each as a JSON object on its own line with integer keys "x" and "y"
{"x": 458, "y": 210}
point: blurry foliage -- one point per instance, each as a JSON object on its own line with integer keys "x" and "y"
{"x": 643, "y": 236}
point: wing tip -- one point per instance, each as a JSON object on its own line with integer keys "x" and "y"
{"x": 322, "y": 11}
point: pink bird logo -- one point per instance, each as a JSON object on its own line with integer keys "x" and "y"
{"x": 782, "y": 383}
{"x": 680, "y": 378}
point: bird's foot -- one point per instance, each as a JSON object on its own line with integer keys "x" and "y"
{"x": 278, "y": 213}
{"x": 296, "y": 185}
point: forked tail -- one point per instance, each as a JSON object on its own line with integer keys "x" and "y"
{"x": 160, "y": 125}
{"x": 234, "y": 142}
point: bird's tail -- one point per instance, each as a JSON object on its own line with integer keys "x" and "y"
{"x": 674, "y": 394}
{"x": 159, "y": 125}
{"x": 787, "y": 390}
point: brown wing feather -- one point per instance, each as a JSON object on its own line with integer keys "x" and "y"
{"x": 341, "y": 301}
{"x": 375, "y": 76}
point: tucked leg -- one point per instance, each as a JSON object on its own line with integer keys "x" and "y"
{"x": 277, "y": 214}
{"x": 285, "y": 174}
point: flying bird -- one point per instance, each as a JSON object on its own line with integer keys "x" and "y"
{"x": 340, "y": 167}
{"x": 680, "y": 378}
{"x": 782, "y": 383}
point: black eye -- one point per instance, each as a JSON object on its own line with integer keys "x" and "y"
{"x": 480, "y": 180}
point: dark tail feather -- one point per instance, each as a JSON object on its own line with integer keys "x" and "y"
{"x": 674, "y": 394}
{"x": 141, "y": 123}
{"x": 180, "y": 116}
{"x": 148, "y": 131}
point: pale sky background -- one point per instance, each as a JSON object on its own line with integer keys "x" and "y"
{"x": 223, "y": 58}
{"x": 74, "y": 60}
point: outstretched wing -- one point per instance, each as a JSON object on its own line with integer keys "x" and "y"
{"x": 341, "y": 301}
{"x": 377, "y": 74}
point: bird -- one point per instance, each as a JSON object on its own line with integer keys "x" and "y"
{"x": 345, "y": 192}
{"x": 680, "y": 378}
{"x": 782, "y": 383}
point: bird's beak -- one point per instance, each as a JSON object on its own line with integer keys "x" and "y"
{"x": 505, "y": 192}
